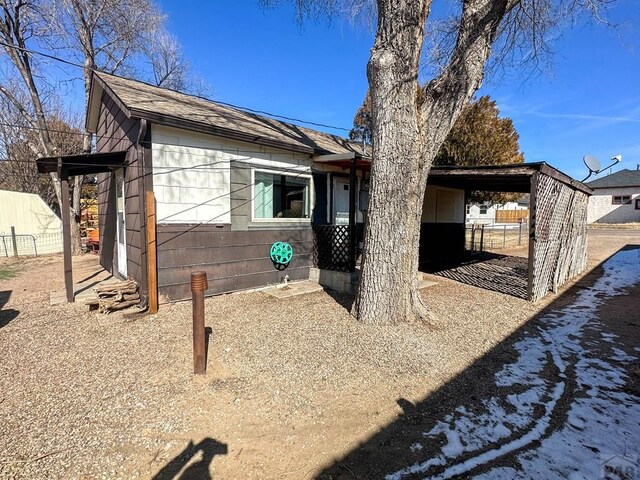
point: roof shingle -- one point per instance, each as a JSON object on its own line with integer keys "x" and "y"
{"x": 147, "y": 101}
{"x": 623, "y": 178}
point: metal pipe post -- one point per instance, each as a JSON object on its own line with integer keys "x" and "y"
{"x": 14, "y": 241}
{"x": 520, "y": 233}
{"x": 198, "y": 287}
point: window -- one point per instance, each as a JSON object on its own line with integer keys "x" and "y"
{"x": 637, "y": 203}
{"x": 280, "y": 196}
{"x": 483, "y": 209}
{"x": 621, "y": 200}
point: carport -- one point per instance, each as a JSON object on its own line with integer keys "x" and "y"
{"x": 557, "y": 223}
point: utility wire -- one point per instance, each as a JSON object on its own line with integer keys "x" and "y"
{"x": 226, "y": 104}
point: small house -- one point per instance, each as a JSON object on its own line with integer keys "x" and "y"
{"x": 227, "y": 184}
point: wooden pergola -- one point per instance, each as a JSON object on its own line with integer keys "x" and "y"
{"x": 69, "y": 166}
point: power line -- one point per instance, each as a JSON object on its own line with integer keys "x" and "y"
{"x": 226, "y": 104}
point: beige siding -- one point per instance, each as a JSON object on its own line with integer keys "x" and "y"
{"x": 30, "y": 215}
{"x": 443, "y": 205}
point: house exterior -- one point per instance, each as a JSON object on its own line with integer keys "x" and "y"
{"x": 38, "y": 228}
{"x": 487, "y": 214}
{"x": 616, "y": 198}
{"x": 228, "y": 184}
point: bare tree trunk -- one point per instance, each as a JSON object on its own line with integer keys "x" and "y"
{"x": 409, "y": 126}
{"x": 388, "y": 290}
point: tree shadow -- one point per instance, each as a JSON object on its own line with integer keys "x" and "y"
{"x": 198, "y": 470}
{"x": 491, "y": 271}
{"x": 6, "y": 314}
{"x": 409, "y": 441}
{"x": 345, "y": 300}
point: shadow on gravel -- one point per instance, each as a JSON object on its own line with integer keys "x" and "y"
{"x": 404, "y": 443}
{"x": 198, "y": 470}
{"x": 6, "y": 315}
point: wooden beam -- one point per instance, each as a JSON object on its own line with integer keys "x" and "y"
{"x": 152, "y": 264}
{"x": 66, "y": 231}
{"x": 353, "y": 241}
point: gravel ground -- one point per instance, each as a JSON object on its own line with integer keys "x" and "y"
{"x": 291, "y": 384}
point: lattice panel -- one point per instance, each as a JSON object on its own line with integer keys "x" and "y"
{"x": 560, "y": 235}
{"x": 331, "y": 247}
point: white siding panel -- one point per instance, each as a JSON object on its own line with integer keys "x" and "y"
{"x": 30, "y": 215}
{"x": 191, "y": 173}
{"x": 443, "y": 205}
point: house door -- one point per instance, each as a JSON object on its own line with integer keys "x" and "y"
{"x": 121, "y": 228}
{"x": 340, "y": 201}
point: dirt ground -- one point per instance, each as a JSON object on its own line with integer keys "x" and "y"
{"x": 295, "y": 388}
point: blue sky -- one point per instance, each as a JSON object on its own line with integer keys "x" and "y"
{"x": 587, "y": 102}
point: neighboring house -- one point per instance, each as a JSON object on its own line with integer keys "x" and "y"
{"x": 228, "y": 184}
{"x": 33, "y": 221}
{"x": 616, "y": 198}
{"x": 486, "y": 213}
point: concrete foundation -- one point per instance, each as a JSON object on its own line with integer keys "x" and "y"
{"x": 338, "y": 281}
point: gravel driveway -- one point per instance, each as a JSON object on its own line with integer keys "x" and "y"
{"x": 293, "y": 385}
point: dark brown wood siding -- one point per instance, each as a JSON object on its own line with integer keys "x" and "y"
{"x": 233, "y": 260}
{"x": 117, "y": 132}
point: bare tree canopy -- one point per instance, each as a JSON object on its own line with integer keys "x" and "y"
{"x": 412, "y": 116}
{"x": 116, "y": 36}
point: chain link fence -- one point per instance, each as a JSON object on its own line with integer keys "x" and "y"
{"x": 491, "y": 237}
{"x": 30, "y": 244}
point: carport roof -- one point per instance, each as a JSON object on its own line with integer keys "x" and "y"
{"x": 499, "y": 178}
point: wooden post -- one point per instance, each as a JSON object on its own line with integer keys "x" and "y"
{"x": 353, "y": 241}
{"x": 152, "y": 264}
{"x": 198, "y": 287}
{"x": 14, "y": 241}
{"x": 66, "y": 232}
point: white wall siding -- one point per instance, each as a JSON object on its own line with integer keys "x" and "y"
{"x": 30, "y": 215}
{"x": 192, "y": 181}
{"x": 443, "y": 205}
{"x": 601, "y": 208}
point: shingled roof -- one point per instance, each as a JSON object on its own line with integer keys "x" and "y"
{"x": 623, "y": 178}
{"x": 167, "y": 107}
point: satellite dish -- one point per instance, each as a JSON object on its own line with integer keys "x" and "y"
{"x": 592, "y": 163}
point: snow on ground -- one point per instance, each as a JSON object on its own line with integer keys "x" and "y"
{"x": 602, "y": 420}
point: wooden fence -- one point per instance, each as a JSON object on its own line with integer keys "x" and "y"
{"x": 511, "y": 216}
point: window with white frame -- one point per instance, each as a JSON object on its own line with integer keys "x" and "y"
{"x": 281, "y": 195}
{"x": 483, "y": 209}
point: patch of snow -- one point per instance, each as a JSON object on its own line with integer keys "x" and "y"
{"x": 416, "y": 447}
{"x": 602, "y": 417}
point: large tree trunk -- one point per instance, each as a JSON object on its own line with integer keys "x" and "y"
{"x": 388, "y": 290}
{"x": 409, "y": 126}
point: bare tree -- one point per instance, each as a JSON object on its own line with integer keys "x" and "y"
{"x": 169, "y": 67}
{"x": 411, "y": 120}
